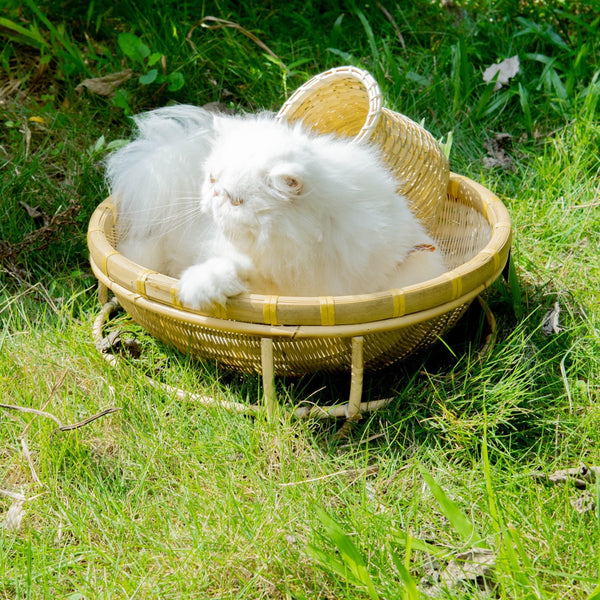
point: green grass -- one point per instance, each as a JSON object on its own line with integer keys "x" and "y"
{"x": 168, "y": 499}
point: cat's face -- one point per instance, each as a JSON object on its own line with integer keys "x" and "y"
{"x": 247, "y": 199}
{"x": 257, "y": 181}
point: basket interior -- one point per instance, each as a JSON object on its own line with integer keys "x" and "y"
{"x": 319, "y": 107}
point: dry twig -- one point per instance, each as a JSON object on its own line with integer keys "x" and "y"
{"x": 389, "y": 17}
{"x": 29, "y": 460}
{"x": 61, "y": 425}
{"x": 219, "y": 24}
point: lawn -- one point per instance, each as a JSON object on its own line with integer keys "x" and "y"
{"x": 490, "y": 463}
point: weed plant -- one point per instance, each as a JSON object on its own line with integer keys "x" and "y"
{"x": 169, "y": 499}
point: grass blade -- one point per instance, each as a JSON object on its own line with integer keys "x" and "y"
{"x": 404, "y": 539}
{"x": 515, "y": 289}
{"x": 491, "y": 498}
{"x": 348, "y": 551}
{"x": 461, "y": 524}
{"x": 484, "y": 100}
{"x": 30, "y": 37}
{"x": 595, "y": 595}
{"x": 410, "y": 585}
{"x": 369, "y": 33}
{"x": 526, "y": 106}
{"x": 72, "y": 52}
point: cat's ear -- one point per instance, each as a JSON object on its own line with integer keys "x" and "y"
{"x": 287, "y": 179}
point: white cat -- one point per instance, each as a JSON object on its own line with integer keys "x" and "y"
{"x": 251, "y": 204}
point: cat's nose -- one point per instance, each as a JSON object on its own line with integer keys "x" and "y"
{"x": 233, "y": 200}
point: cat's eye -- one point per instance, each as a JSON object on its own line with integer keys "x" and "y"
{"x": 211, "y": 178}
{"x": 294, "y": 184}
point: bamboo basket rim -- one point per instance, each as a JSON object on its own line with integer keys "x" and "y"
{"x": 291, "y": 316}
{"x": 342, "y": 73}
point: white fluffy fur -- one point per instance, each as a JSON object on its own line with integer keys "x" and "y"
{"x": 234, "y": 204}
{"x": 156, "y": 182}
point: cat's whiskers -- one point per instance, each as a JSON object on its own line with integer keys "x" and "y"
{"x": 186, "y": 213}
{"x": 180, "y": 202}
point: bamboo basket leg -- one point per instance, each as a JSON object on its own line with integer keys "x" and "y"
{"x": 102, "y": 293}
{"x": 353, "y": 408}
{"x": 356, "y": 378}
{"x": 268, "y": 374}
{"x": 113, "y": 360}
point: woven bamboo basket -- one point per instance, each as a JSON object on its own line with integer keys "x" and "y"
{"x": 299, "y": 335}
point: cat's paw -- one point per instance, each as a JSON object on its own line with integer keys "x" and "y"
{"x": 209, "y": 283}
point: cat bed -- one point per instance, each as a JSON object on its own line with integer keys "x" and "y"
{"x": 276, "y": 335}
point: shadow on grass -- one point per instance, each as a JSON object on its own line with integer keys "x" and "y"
{"x": 448, "y": 397}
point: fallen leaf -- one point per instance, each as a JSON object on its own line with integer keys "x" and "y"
{"x": 585, "y": 503}
{"x": 218, "y": 107}
{"x": 35, "y": 213}
{"x": 496, "y": 155}
{"x": 550, "y": 323}
{"x": 104, "y": 86}
{"x": 581, "y": 475}
{"x": 13, "y": 516}
{"x": 9, "y": 90}
{"x": 475, "y": 565}
{"x": 115, "y": 343}
{"x": 473, "y": 568}
{"x": 506, "y": 70}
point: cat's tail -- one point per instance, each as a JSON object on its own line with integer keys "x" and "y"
{"x": 155, "y": 179}
{"x": 173, "y": 122}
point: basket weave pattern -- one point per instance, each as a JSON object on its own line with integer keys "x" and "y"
{"x": 470, "y": 224}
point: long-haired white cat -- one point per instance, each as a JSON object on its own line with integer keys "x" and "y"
{"x": 232, "y": 204}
